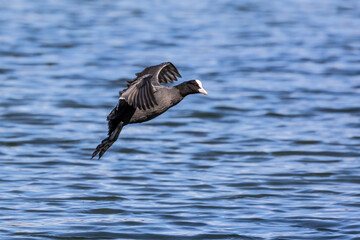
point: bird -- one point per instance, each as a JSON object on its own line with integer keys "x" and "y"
{"x": 145, "y": 98}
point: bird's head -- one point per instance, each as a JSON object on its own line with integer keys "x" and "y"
{"x": 195, "y": 86}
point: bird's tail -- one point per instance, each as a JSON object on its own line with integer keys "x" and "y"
{"x": 107, "y": 142}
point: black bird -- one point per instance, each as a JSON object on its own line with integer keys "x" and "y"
{"x": 145, "y": 98}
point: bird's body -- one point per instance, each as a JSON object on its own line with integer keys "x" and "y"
{"x": 163, "y": 98}
{"x": 145, "y": 98}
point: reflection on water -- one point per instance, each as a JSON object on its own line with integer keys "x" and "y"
{"x": 271, "y": 153}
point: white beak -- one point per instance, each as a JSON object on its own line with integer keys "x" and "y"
{"x": 201, "y": 90}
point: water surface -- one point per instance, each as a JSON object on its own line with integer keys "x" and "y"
{"x": 271, "y": 153}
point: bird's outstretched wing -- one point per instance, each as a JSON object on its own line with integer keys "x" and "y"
{"x": 140, "y": 91}
{"x": 162, "y": 73}
{"x": 140, "y": 94}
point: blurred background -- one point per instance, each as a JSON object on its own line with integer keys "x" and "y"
{"x": 271, "y": 153}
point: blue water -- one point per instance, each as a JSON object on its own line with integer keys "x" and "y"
{"x": 272, "y": 153}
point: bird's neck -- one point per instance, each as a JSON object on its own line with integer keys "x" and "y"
{"x": 184, "y": 89}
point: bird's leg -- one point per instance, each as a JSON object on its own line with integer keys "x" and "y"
{"x": 107, "y": 142}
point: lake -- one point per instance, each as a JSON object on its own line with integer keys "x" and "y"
{"x": 273, "y": 152}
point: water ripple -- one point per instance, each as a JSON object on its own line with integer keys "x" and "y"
{"x": 271, "y": 153}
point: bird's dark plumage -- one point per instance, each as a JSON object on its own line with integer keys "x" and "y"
{"x": 146, "y": 98}
{"x": 140, "y": 92}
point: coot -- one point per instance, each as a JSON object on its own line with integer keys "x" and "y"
{"x": 146, "y": 98}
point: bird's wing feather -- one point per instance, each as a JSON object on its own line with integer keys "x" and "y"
{"x": 140, "y": 91}
{"x": 162, "y": 73}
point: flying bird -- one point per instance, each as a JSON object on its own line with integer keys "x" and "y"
{"x": 146, "y": 98}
